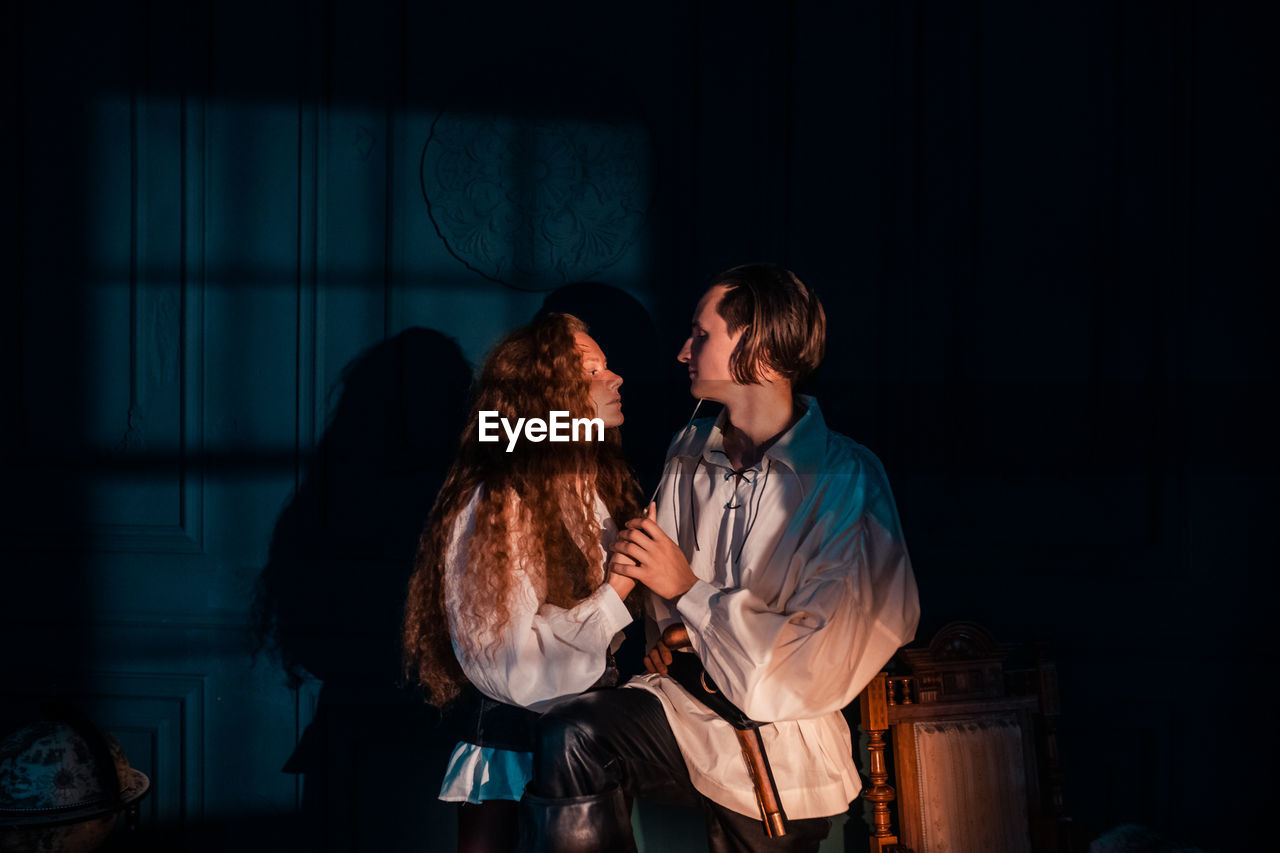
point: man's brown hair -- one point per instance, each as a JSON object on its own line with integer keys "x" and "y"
{"x": 785, "y": 326}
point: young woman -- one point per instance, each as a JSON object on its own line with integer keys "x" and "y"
{"x": 509, "y": 592}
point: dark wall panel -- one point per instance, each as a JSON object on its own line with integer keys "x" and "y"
{"x": 1048, "y": 295}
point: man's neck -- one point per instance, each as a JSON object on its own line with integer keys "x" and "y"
{"x": 756, "y": 420}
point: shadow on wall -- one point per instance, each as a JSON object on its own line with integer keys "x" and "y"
{"x": 329, "y": 603}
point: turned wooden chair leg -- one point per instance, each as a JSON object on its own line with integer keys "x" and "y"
{"x": 875, "y": 722}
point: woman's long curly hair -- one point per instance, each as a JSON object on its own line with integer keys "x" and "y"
{"x": 536, "y": 508}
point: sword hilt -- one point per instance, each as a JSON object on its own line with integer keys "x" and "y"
{"x": 676, "y": 637}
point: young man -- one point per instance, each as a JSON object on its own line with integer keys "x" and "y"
{"x": 776, "y": 542}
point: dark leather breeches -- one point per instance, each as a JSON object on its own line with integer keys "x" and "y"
{"x": 614, "y": 745}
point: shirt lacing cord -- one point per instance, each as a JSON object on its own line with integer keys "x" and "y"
{"x": 757, "y": 494}
{"x": 693, "y": 478}
{"x": 748, "y": 474}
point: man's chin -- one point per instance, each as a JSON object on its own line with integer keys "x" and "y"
{"x": 702, "y": 390}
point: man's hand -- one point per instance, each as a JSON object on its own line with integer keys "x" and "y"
{"x": 658, "y": 659}
{"x": 642, "y": 551}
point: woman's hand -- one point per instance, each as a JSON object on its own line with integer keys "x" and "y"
{"x": 621, "y": 584}
{"x": 658, "y": 658}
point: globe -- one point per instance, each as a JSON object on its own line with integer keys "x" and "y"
{"x": 62, "y": 787}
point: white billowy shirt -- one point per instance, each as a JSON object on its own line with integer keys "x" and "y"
{"x": 804, "y": 592}
{"x": 543, "y": 655}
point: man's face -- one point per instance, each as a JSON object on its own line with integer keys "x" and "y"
{"x": 708, "y": 349}
{"x": 604, "y": 382}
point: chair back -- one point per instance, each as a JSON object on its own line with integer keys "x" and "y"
{"x": 974, "y": 763}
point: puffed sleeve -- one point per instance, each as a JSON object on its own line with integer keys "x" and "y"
{"x": 853, "y": 602}
{"x": 544, "y": 653}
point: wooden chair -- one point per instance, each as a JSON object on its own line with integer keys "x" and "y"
{"x": 974, "y": 764}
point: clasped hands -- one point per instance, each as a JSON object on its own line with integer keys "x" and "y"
{"x": 647, "y": 555}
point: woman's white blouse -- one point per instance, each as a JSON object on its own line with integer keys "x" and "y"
{"x": 477, "y": 774}
{"x": 543, "y": 655}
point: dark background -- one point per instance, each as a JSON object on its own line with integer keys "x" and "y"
{"x": 236, "y": 345}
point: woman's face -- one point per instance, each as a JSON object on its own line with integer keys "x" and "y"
{"x": 604, "y": 382}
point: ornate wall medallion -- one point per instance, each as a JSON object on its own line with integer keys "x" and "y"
{"x": 545, "y": 179}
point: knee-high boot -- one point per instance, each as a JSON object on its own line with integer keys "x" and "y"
{"x": 592, "y": 824}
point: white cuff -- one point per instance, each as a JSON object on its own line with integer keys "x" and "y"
{"x": 615, "y": 613}
{"x": 695, "y": 605}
